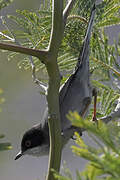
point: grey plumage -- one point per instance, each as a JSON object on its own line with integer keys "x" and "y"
{"x": 77, "y": 91}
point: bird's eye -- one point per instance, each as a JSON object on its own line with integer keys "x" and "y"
{"x": 28, "y": 143}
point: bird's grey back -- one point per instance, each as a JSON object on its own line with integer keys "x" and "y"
{"x": 77, "y": 88}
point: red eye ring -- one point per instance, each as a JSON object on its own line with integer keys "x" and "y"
{"x": 28, "y": 143}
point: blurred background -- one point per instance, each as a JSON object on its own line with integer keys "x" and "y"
{"x": 23, "y": 108}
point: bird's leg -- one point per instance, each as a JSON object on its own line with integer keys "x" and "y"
{"x": 94, "y": 93}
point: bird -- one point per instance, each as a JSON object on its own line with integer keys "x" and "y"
{"x": 35, "y": 141}
{"x": 75, "y": 94}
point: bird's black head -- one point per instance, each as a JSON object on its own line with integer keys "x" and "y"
{"x": 34, "y": 142}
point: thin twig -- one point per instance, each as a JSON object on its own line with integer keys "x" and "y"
{"x": 14, "y": 39}
{"x": 80, "y": 18}
{"x": 8, "y": 37}
{"x": 114, "y": 115}
{"x": 106, "y": 66}
{"x": 35, "y": 79}
{"x": 68, "y": 9}
{"x": 111, "y": 117}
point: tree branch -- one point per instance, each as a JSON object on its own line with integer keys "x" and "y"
{"x": 114, "y": 115}
{"x": 57, "y": 28}
{"x": 53, "y": 88}
{"x": 41, "y": 54}
{"x": 68, "y": 9}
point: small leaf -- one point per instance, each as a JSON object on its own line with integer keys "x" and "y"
{"x": 5, "y": 146}
{"x": 2, "y": 136}
{"x": 4, "y": 4}
{"x": 2, "y": 100}
{"x": 1, "y": 91}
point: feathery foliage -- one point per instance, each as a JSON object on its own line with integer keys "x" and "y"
{"x": 104, "y": 159}
{"x": 5, "y": 3}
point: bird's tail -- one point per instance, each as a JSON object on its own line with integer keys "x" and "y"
{"x": 85, "y": 48}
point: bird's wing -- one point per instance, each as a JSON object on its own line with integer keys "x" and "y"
{"x": 82, "y": 56}
{"x": 77, "y": 87}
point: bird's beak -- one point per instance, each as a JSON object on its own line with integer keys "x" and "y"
{"x": 18, "y": 155}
